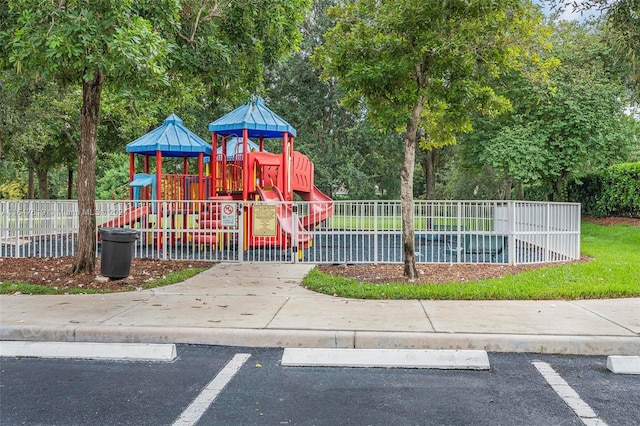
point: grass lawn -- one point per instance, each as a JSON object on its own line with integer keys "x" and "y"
{"x": 613, "y": 272}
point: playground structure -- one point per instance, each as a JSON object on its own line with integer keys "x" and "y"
{"x": 241, "y": 175}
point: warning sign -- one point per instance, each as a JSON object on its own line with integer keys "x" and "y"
{"x": 264, "y": 220}
{"x": 228, "y": 216}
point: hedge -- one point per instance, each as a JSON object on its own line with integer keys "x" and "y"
{"x": 615, "y": 191}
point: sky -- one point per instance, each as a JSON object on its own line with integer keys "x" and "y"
{"x": 568, "y": 14}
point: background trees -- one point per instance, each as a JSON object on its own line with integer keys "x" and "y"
{"x": 621, "y": 19}
{"x": 556, "y": 135}
{"x": 352, "y": 159}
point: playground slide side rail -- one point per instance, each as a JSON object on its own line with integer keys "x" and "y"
{"x": 350, "y": 232}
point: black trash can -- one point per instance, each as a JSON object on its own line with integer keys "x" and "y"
{"x": 117, "y": 251}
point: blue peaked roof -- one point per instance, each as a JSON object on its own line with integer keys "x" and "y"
{"x": 172, "y": 139}
{"x": 256, "y": 118}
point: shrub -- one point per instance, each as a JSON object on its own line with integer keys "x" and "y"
{"x": 615, "y": 191}
{"x": 13, "y": 190}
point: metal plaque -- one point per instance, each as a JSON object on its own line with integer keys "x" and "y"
{"x": 264, "y": 220}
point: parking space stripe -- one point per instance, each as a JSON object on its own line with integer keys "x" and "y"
{"x": 197, "y": 408}
{"x": 568, "y": 395}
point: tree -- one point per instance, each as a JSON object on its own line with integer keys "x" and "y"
{"x": 553, "y": 137}
{"x": 622, "y": 28}
{"x": 127, "y": 44}
{"x": 424, "y": 65}
{"x": 78, "y": 43}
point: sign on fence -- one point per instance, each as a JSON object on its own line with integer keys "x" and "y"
{"x": 228, "y": 217}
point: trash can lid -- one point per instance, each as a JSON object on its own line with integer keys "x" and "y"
{"x": 121, "y": 231}
{"x": 118, "y": 234}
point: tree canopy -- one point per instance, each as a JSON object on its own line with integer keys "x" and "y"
{"x": 348, "y": 153}
{"x": 622, "y": 27}
{"x": 554, "y": 136}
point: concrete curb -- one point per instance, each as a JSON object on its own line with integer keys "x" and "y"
{"x": 386, "y": 358}
{"x": 517, "y": 343}
{"x": 624, "y": 364}
{"x": 89, "y": 350}
{"x": 548, "y": 344}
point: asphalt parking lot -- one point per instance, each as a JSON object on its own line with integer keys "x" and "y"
{"x": 242, "y": 386}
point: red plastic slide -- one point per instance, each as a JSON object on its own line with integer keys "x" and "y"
{"x": 320, "y": 207}
{"x": 130, "y": 216}
{"x": 284, "y": 214}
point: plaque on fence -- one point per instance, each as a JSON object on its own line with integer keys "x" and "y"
{"x": 264, "y": 220}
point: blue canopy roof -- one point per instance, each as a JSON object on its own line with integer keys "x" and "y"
{"x": 256, "y": 118}
{"x": 172, "y": 139}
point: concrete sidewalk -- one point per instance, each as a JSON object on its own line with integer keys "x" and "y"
{"x": 262, "y": 305}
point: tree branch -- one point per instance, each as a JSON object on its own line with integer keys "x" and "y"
{"x": 213, "y": 13}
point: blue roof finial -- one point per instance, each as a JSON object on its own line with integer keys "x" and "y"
{"x": 258, "y": 100}
{"x": 173, "y": 119}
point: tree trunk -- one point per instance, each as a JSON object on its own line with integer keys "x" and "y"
{"x": 519, "y": 191}
{"x": 43, "y": 183}
{"x": 70, "y": 183}
{"x": 85, "y": 260}
{"x": 508, "y": 186}
{"x": 560, "y": 188}
{"x": 31, "y": 188}
{"x": 406, "y": 190}
{"x": 429, "y": 163}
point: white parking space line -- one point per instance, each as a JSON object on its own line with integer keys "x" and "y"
{"x": 89, "y": 350}
{"x": 386, "y": 358}
{"x": 197, "y": 408}
{"x": 568, "y": 395}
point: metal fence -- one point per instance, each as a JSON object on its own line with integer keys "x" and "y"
{"x": 500, "y": 232}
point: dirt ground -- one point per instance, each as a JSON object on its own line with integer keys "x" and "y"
{"x": 54, "y": 272}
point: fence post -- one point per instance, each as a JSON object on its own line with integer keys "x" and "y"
{"x": 576, "y": 220}
{"x": 164, "y": 230}
{"x": 294, "y": 234}
{"x": 240, "y": 244}
{"x": 547, "y": 236}
{"x": 511, "y": 240}
{"x": 375, "y": 232}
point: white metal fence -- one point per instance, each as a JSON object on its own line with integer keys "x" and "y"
{"x": 502, "y": 232}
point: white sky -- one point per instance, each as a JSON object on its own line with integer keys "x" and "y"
{"x": 569, "y": 14}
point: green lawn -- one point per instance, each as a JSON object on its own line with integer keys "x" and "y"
{"x": 384, "y": 223}
{"x": 613, "y": 272}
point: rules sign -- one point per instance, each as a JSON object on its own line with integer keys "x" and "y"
{"x": 228, "y": 217}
